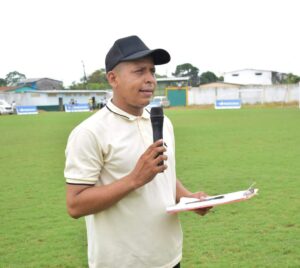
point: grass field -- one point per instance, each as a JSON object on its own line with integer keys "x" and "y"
{"x": 217, "y": 151}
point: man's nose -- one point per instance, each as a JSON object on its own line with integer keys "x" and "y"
{"x": 150, "y": 78}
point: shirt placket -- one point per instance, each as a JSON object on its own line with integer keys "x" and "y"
{"x": 145, "y": 132}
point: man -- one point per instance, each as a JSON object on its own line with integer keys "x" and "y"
{"x": 91, "y": 104}
{"x": 112, "y": 172}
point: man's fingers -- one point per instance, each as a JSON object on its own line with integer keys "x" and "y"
{"x": 154, "y": 146}
{"x": 154, "y": 151}
{"x": 203, "y": 211}
{"x": 159, "y": 159}
{"x": 158, "y": 143}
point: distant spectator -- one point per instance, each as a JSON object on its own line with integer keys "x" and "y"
{"x": 91, "y": 104}
{"x": 13, "y": 105}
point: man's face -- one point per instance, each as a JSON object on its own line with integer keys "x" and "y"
{"x": 133, "y": 84}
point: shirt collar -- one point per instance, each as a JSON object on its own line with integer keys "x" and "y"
{"x": 114, "y": 109}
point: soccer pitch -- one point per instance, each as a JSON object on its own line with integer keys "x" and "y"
{"x": 216, "y": 151}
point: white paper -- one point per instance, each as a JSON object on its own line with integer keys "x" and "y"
{"x": 187, "y": 203}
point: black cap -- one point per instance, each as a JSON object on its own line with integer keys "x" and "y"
{"x": 133, "y": 48}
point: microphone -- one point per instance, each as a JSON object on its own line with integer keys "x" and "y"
{"x": 157, "y": 121}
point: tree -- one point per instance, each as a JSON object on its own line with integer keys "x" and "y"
{"x": 97, "y": 80}
{"x": 291, "y": 79}
{"x": 2, "y": 82}
{"x": 188, "y": 70}
{"x": 209, "y": 77}
{"x": 98, "y": 76}
{"x": 13, "y": 78}
{"x": 160, "y": 76}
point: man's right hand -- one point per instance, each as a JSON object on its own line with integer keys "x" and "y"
{"x": 84, "y": 200}
{"x": 148, "y": 164}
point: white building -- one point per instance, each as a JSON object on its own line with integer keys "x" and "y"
{"x": 253, "y": 77}
{"x": 54, "y": 100}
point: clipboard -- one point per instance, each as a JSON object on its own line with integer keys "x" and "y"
{"x": 189, "y": 203}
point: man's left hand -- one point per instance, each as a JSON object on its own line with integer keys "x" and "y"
{"x": 201, "y": 196}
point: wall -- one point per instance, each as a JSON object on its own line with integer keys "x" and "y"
{"x": 248, "y": 94}
{"x": 49, "y": 100}
{"x": 246, "y": 77}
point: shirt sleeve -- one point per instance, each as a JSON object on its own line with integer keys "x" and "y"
{"x": 83, "y": 158}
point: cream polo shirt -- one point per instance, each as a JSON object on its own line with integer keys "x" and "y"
{"x": 136, "y": 231}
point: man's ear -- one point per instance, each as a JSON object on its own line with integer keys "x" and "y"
{"x": 112, "y": 78}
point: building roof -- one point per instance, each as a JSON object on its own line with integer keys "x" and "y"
{"x": 64, "y": 91}
{"x": 220, "y": 85}
{"x": 249, "y": 69}
{"x": 170, "y": 79}
{"x": 32, "y": 80}
{"x": 8, "y": 88}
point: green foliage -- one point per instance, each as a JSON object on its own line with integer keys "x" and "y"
{"x": 208, "y": 77}
{"x": 98, "y": 86}
{"x": 160, "y": 76}
{"x": 216, "y": 151}
{"x": 97, "y": 80}
{"x": 13, "y": 78}
{"x": 291, "y": 79}
{"x": 99, "y": 76}
{"x": 90, "y": 86}
{"x": 77, "y": 85}
{"x": 188, "y": 70}
{"x": 2, "y": 82}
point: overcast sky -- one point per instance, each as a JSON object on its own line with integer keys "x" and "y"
{"x": 51, "y": 38}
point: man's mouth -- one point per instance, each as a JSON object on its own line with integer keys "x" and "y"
{"x": 146, "y": 92}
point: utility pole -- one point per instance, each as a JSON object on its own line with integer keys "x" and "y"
{"x": 84, "y": 75}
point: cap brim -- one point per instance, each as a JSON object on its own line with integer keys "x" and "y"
{"x": 160, "y": 56}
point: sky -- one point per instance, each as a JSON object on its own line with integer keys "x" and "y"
{"x": 54, "y": 38}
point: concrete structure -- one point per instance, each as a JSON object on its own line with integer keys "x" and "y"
{"x": 253, "y": 77}
{"x": 54, "y": 100}
{"x": 248, "y": 94}
{"x": 48, "y": 94}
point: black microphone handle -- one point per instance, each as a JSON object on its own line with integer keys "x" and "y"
{"x": 157, "y": 121}
{"x": 157, "y": 127}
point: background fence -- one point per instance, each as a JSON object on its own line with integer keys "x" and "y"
{"x": 247, "y": 94}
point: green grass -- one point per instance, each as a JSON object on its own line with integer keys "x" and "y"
{"x": 217, "y": 152}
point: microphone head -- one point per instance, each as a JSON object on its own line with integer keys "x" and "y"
{"x": 156, "y": 112}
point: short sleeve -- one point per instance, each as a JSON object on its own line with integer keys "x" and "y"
{"x": 84, "y": 158}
